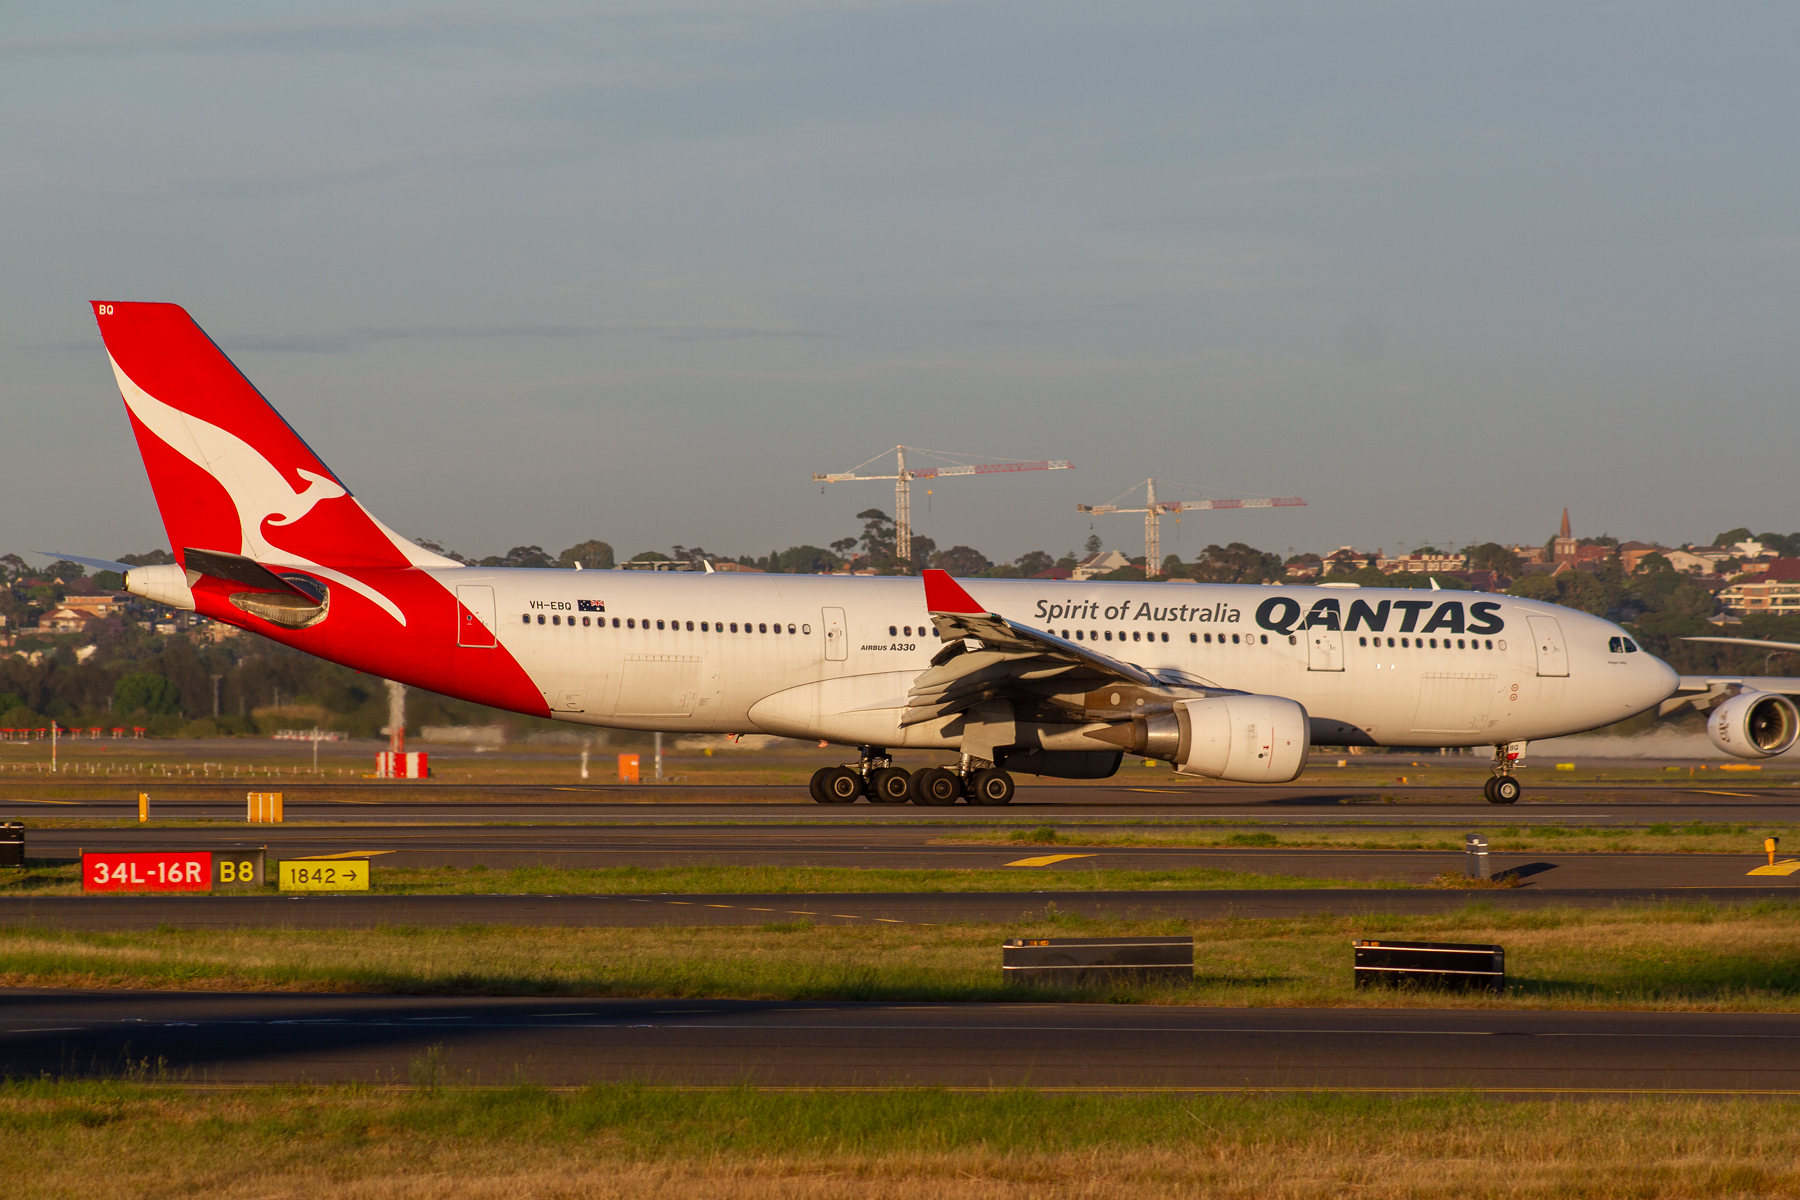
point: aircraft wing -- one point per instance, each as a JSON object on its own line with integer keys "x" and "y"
{"x": 1706, "y": 691}
{"x": 986, "y": 656}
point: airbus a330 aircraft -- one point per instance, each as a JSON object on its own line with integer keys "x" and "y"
{"x": 1055, "y": 678}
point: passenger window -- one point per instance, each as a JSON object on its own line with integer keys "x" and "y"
{"x": 659, "y": 624}
{"x": 540, "y": 618}
{"x": 806, "y": 629}
{"x": 555, "y": 620}
{"x": 1165, "y": 637}
{"x": 734, "y": 627}
{"x": 584, "y": 622}
{"x": 762, "y": 629}
{"x": 893, "y": 631}
{"x": 631, "y": 622}
{"x": 1490, "y": 643}
{"x": 1209, "y": 639}
{"x": 1134, "y": 636}
{"x": 1265, "y": 639}
{"x": 1234, "y": 639}
{"x": 1390, "y": 643}
{"x": 1630, "y": 646}
{"x": 1615, "y": 645}
{"x": 528, "y": 618}
{"x": 703, "y": 627}
{"x": 1194, "y": 637}
{"x": 615, "y": 622}
{"x": 1362, "y": 641}
{"x": 790, "y": 629}
{"x": 1078, "y": 636}
{"x": 1403, "y": 643}
{"x": 690, "y": 627}
{"x": 1459, "y": 643}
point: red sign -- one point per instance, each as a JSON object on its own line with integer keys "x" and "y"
{"x": 188, "y": 871}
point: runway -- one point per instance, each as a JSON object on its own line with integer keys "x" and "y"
{"x": 123, "y": 913}
{"x": 570, "y": 1042}
{"x": 434, "y": 803}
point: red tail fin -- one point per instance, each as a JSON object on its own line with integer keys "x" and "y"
{"x": 228, "y": 472}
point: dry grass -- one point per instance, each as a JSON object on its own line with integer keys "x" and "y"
{"x": 96, "y": 1142}
{"x": 1694, "y": 837}
{"x": 1671, "y": 957}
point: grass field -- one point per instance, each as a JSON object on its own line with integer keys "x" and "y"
{"x": 1675, "y": 957}
{"x": 100, "y": 1141}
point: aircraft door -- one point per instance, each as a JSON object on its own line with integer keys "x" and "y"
{"x": 1324, "y": 650}
{"x": 474, "y": 614}
{"x": 837, "y": 638}
{"x": 1552, "y": 654}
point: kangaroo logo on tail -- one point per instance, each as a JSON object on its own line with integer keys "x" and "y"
{"x": 257, "y": 489}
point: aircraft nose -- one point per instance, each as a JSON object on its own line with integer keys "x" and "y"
{"x": 1663, "y": 682}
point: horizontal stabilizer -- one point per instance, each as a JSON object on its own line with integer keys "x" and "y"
{"x": 238, "y": 569}
{"x": 99, "y": 564}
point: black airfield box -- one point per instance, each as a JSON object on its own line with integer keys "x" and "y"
{"x": 12, "y": 843}
{"x": 1096, "y": 962}
{"x": 1446, "y": 966}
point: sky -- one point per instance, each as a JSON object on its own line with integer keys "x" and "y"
{"x": 534, "y": 274}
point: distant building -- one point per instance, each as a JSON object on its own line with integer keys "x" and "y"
{"x": 1633, "y": 553}
{"x": 1774, "y": 590}
{"x": 1423, "y": 564}
{"x": 1102, "y": 563}
{"x": 1055, "y": 573}
{"x": 1690, "y": 563}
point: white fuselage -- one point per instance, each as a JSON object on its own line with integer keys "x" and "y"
{"x": 678, "y": 650}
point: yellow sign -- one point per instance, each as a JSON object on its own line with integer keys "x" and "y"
{"x": 325, "y": 875}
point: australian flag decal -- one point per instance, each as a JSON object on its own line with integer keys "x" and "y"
{"x": 590, "y": 606}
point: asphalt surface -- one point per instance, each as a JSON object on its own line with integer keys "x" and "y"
{"x": 265, "y": 1039}
{"x": 820, "y": 908}
{"x": 397, "y": 802}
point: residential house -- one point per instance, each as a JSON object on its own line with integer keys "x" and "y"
{"x": 1100, "y": 564}
{"x": 1423, "y": 564}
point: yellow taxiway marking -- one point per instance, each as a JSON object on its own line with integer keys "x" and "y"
{"x": 344, "y": 854}
{"x": 1045, "y": 860}
{"x": 45, "y": 802}
{"x": 1745, "y": 795}
{"x": 1786, "y": 866}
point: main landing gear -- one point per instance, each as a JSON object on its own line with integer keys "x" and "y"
{"x": 1503, "y": 787}
{"x": 876, "y": 777}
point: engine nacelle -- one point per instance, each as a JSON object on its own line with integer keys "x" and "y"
{"x": 1243, "y": 739}
{"x": 1754, "y": 725}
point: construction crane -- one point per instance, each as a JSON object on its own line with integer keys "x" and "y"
{"x": 1153, "y": 512}
{"x": 904, "y": 476}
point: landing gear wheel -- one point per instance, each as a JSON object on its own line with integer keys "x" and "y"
{"x": 990, "y": 787}
{"x": 936, "y": 787}
{"x": 1503, "y": 789}
{"x": 817, "y": 784}
{"x": 841, "y": 785}
{"x": 890, "y": 785}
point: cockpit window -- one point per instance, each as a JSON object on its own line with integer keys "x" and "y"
{"x": 1630, "y": 646}
{"x": 1615, "y": 645}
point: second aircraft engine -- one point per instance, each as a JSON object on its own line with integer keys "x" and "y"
{"x": 1754, "y": 725}
{"x": 1243, "y": 739}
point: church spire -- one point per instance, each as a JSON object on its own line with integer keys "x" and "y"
{"x": 1565, "y": 524}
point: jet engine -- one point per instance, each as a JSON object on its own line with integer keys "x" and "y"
{"x": 1754, "y": 725}
{"x": 1243, "y": 739}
